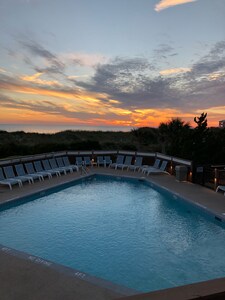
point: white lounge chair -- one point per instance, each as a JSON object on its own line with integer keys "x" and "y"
{"x": 161, "y": 170}
{"x": 61, "y": 165}
{"x": 68, "y": 164}
{"x": 48, "y": 168}
{"x": 40, "y": 169}
{"x": 100, "y": 161}
{"x": 107, "y": 160}
{"x": 55, "y": 167}
{"x": 126, "y": 163}
{"x": 119, "y": 161}
{"x": 21, "y": 172}
{"x": 145, "y": 169}
{"x": 79, "y": 162}
{"x": 30, "y": 170}
{"x": 221, "y": 187}
{"x": 137, "y": 164}
{"x": 9, "y": 182}
{"x": 9, "y": 173}
{"x": 87, "y": 161}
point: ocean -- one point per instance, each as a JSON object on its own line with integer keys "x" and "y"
{"x": 47, "y": 128}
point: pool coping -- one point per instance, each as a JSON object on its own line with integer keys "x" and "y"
{"x": 72, "y": 272}
{"x": 155, "y": 183}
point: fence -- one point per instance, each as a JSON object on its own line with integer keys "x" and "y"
{"x": 148, "y": 158}
{"x": 207, "y": 175}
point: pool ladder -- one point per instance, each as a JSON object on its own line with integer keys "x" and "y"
{"x": 84, "y": 170}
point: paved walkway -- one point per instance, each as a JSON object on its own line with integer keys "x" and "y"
{"x": 24, "y": 279}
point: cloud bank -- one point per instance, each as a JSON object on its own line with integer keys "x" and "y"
{"x": 127, "y": 91}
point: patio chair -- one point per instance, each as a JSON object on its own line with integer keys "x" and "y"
{"x": 30, "y": 170}
{"x": 100, "y": 161}
{"x": 60, "y": 163}
{"x": 107, "y": 160}
{"x": 54, "y": 166}
{"x": 79, "y": 161}
{"x": 21, "y": 172}
{"x": 40, "y": 169}
{"x": 119, "y": 161}
{"x": 87, "y": 161}
{"x": 221, "y": 187}
{"x": 9, "y": 182}
{"x": 137, "y": 164}
{"x": 160, "y": 170}
{"x": 126, "y": 163}
{"x": 47, "y": 167}
{"x": 9, "y": 173}
{"x": 68, "y": 164}
{"x": 156, "y": 164}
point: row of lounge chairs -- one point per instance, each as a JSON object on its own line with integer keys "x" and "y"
{"x": 61, "y": 165}
{"x": 35, "y": 170}
{"x": 125, "y": 163}
{"x": 86, "y": 161}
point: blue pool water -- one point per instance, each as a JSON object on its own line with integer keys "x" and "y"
{"x": 119, "y": 230}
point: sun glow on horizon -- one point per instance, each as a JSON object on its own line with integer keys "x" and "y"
{"x": 28, "y": 103}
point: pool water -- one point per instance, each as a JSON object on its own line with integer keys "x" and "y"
{"x": 120, "y": 230}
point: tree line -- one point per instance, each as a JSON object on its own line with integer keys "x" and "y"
{"x": 201, "y": 144}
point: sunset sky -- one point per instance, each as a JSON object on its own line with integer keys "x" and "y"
{"x": 127, "y": 63}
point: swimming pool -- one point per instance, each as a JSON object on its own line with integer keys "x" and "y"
{"x": 121, "y": 230}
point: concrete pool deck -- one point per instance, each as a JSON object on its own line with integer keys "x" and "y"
{"x": 24, "y": 279}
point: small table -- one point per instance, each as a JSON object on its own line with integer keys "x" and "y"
{"x": 93, "y": 164}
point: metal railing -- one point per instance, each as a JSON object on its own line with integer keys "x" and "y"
{"x": 148, "y": 158}
{"x": 207, "y": 175}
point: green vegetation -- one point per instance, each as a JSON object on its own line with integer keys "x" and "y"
{"x": 201, "y": 144}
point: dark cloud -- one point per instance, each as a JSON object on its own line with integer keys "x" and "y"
{"x": 163, "y": 51}
{"x": 37, "y": 50}
{"x": 218, "y": 49}
{"x": 212, "y": 62}
{"x": 133, "y": 83}
{"x": 205, "y": 67}
{"x": 173, "y": 54}
{"x": 121, "y": 76}
{"x": 55, "y": 66}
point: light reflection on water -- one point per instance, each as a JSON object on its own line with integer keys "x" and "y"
{"x": 122, "y": 231}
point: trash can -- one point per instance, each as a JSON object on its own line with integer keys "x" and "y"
{"x": 181, "y": 173}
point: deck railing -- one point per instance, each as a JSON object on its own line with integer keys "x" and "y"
{"x": 208, "y": 175}
{"x": 148, "y": 158}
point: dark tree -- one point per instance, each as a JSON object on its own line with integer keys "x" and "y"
{"x": 174, "y": 137}
{"x": 200, "y": 149}
{"x": 201, "y": 122}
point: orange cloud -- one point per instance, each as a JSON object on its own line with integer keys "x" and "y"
{"x": 80, "y": 97}
{"x": 163, "y": 4}
{"x": 174, "y": 71}
{"x": 216, "y": 75}
{"x": 53, "y": 104}
{"x": 35, "y": 79}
